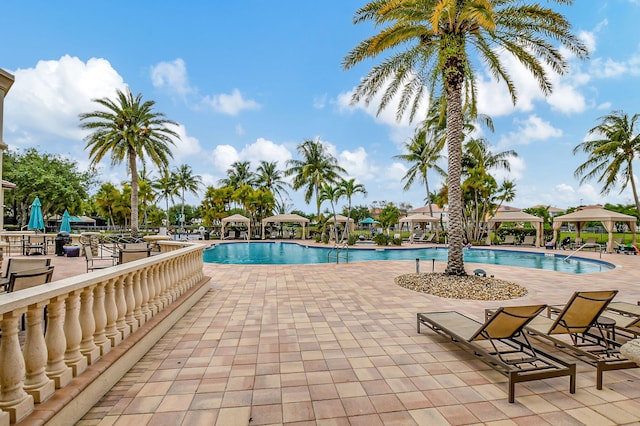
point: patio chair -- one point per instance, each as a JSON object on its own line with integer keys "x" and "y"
{"x": 424, "y": 239}
{"x": 578, "y": 329}
{"x": 91, "y": 261}
{"x": 19, "y": 264}
{"x": 128, "y": 255}
{"x": 34, "y": 244}
{"x": 27, "y": 279}
{"x": 501, "y": 344}
{"x": 627, "y": 317}
{"x": 509, "y": 240}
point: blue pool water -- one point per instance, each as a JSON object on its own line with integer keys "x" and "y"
{"x": 276, "y": 253}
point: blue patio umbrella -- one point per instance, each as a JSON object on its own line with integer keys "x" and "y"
{"x": 65, "y": 226}
{"x": 36, "y": 221}
{"x": 368, "y": 221}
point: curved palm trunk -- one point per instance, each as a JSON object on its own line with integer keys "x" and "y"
{"x": 426, "y": 184}
{"x": 455, "y": 263}
{"x": 133, "y": 168}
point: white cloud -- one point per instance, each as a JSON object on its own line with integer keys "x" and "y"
{"x": 185, "y": 147}
{"x": 260, "y": 150}
{"x": 171, "y": 76}
{"x": 605, "y": 106}
{"x": 527, "y": 131}
{"x": 518, "y": 167}
{"x": 320, "y": 101}
{"x": 45, "y": 101}
{"x": 356, "y": 164}
{"x": 224, "y": 156}
{"x": 230, "y": 104}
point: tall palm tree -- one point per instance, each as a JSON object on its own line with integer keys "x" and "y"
{"x": 316, "y": 168}
{"x": 165, "y": 188}
{"x": 129, "y": 130}
{"x": 186, "y": 181}
{"x": 269, "y": 177}
{"x": 430, "y": 44}
{"x": 611, "y": 155}
{"x": 348, "y": 188}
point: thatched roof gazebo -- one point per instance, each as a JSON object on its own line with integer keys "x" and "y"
{"x": 606, "y": 217}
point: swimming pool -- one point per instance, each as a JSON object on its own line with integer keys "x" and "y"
{"x": 279, "y": 253}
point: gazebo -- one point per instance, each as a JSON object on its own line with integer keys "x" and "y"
{"x": 286, "y": 218}
{"x": 418, "y": 218}
{"x": 343, "y": 219}
{"x": 606, "y": 217}
{"x": 516, "y": 217}
{"x": 236, "y": 218}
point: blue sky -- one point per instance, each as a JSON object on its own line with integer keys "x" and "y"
{"x": 249, "y": 81}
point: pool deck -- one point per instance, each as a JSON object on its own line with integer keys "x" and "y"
{"x": 337, "y": 345}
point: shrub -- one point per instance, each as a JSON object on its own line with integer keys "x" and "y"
{"x": 381, "y": 239}
{"x": 352, "y": 239}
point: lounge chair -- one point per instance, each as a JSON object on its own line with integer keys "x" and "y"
{"x": 128, "y": 255}
{"x": 529, "y": 240}
{"x": 627, "y": 317}
{"x": 509, "y": 240}
{"x": 19, "y": 264}
{"x": 583, "y": 331}
{"x": 424, "y": 239}
{"x": 501, "y": 344}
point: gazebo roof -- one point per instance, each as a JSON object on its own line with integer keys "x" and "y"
{"x": 286, "y": 218}
{"x": 339, "y": 218}
{"x": 514, "y": 216}
{"x": 419, "y": 218}
{"x": 236, "y": 218}
{"x": 594, "y": 215}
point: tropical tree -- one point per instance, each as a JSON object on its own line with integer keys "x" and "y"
{"x": 316, "y": 168}
{"x": 186, "y": 181}
{"x": 239, "y": 174}
{"x": 332, "y": 194}
{"x": 348, "y": 188}
{"x": 612, "y": 153}
{"x": 268, "y": 176}
{"x": 128, "y": 130}
{"x": 431, "y": 45}
{"x": 106, "y": 199}
{"x": 423, "y": 153}
{"x": 166, "y": 189}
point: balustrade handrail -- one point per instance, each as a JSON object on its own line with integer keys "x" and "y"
{"x": 85, "y": 316}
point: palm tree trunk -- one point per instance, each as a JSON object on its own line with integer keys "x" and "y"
{"x": 455, "y": 263}
{"x": 133, "y": 168}
{"x": 634, "y": 190}
{"x": 426, "y": 184}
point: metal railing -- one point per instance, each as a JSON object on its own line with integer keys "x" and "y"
{"x": 339, "y": 250}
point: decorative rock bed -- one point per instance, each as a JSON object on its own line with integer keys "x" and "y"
{"x": 470, "y": 287}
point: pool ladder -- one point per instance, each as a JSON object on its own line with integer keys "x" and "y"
{"x": 340, "y": 250}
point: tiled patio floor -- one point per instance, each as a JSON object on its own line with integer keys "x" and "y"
{"x": 337, "y": 345}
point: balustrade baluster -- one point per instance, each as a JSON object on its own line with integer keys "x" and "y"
{"x": 13, "y": 398}
{"x": 36, "y": 382}
{"x": 57, "y": 370}
{"x": 73, "y": 331}
{"x": 100, "y": 320}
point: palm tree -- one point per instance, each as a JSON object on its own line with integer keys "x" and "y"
{"x": 166, "y": 188}
{"x": 269, "y": 177}
{"x": 129, "y": 130}
{"x": 332, "y": 194}
{"x": 430, "y": 43}
{"x": 186, "y": 181}
{"x": 316, "y": 168}
{"x": 423, "y": 153}
{"x": 611, "y": 155}
{"x": 348, "y": 188}
{"x": 239, "y": 174}
{"x": 106, "y": 198}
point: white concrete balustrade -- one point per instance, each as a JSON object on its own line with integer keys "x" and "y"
{"x": 70, "y": 324}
